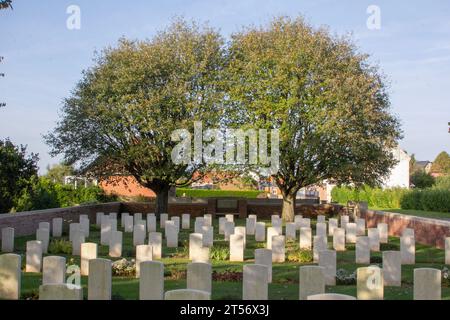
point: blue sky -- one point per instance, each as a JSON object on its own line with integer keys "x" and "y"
{"x": 43, "y": 59}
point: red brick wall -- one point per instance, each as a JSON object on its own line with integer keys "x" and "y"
{"x": 26, "y": 223}
{"x": 427, "y": 231}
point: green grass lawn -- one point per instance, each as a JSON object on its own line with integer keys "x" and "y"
{"x": 418, "y": 213}
{"x": 285, "y": 275}
{"x": 205, "y": 193}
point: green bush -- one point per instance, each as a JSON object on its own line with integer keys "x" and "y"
{"x": 442, "y": 183}
{"x": 219, "y": 253}
{"x": 206, "y": 193}
{"x": 60, "y": 247}
{"x": 300, "y": 255}
{"x": 375, "y": 197}
{"x": 421, "y": 179}
{"x": 431, "y": 199}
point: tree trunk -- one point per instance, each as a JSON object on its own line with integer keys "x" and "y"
{"x": 288, "y": 211}
{"x": 162, "y": 201}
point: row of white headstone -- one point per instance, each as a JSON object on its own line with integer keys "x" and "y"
{"x": 256, "y": 277}
{"x": 199, "y": 248}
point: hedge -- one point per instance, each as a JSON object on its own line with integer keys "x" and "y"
{"x": 207, "y": 193}
{"x": 430, "y": 199}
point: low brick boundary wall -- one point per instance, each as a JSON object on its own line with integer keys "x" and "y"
{"x": 26, "y": 223}
{"x": 427, "y": 231}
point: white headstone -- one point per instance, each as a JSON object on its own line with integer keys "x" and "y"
{"x": 374, "y": 239}
{"x": 260, "y": 231}
{"x": 199, "y": 276}
{"x": 327, "y": 260}
{"x": 98, "y": 218}
{"x": 344, "y": 221}
{"x": 8, "y": 239}
{"x": 222, "y": 221}
{"x": 185, "y": 221}
{"x": 332, "y": 224}
{"x": 155, "y": 240}
{"x": 350, "y": 232}
{"x": 115, "y": 244}
{"x": 264, "y": 257}
{"x": 427, "y": 283}
{"x": 53, "y": 270}
{"x": 78, "y": 239}
{"x": 319, "y": 244}
{"x": 208, "y": 236}
{"x": 138, "y": 234}
{"x": 88, "y": 252}
{"x": 392, "y": 268}
{"x": 271, "y": 231}
{"x": 360, "y": 227}
{"x": 99, "y": 281}
{"x": 312, "y": 281}
{"x": 321, "y": 229}
{"x": 229, "y": 230}
{"x": 143, "y": 253}
{"x": 33, "y": 256}
{"x": 383, "y": 230}
{"x": 162, "y": 219}
{"x": 305, "y": 238}
{"x": 291, "y": 231}
{"x": 408, "y": 249}
{"x": 57, "y": 226}
{"x": 151, "y": 282}
{"x": 10, "y": 276}
{"x": 171, "y": 234}
{"x": 362, "y": 253}
{"x": 151, "y": 223}
{"x": 278, "y": 249}
{"x": 369, "y": 283}
{"x": 255, "y": 282}
{"x": 128, "y": 224}
{"x": 339, "y": 239}
{"x": 236, "y": 247}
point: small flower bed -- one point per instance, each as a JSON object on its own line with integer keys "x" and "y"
{"x": 60, "y": 247}
{"x": 343, "y": 277}
{"x": 124, "y": 268}
{"x": 227, "y": 275}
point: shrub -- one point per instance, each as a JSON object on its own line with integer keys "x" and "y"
{"x": 344, "y": 277}
{"x": 420, "y": 179}
{"x": 442, "y": 183}
{"x": 124, "y": 268}
{"x": 208, "y": 193}
{"x": 219, "y": 253}
{"x": 300, "y": 255}
{"x": 375, "y": 197}
{"x": 60, "y": 247}
{"x": 431, "y": 199}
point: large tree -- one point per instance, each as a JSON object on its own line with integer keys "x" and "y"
{"x": 441, "y": 164}
{"x": 329, "y": 103}
{"x": 121, "y": 115}
{"x": 16, "y": 170}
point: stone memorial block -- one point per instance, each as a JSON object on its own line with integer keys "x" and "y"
{"x": 99, "y": 280}
{"x": 33, "y": 256}
{"x": 123, "y": 215}
{"x": 128, "y": 224}
{"x": 383, "y": 230}
{"x": 98, "y": 218}
{"x": 250, "y": 224}
{"x": 278, "y": 225}
{"x": 115, "y": 244}
{"x": 53, "y": 270}
{"x": 260, "y": 231}
{"x": 236, "y": 247}
{"x": 312, "y": 281}
{"x": 392, "y": 268}
{"x": 350, "y": 232}
{"x": 198, "y": 224}
{"x": 78, "y": 239}
{"x": 229, "y": 230}
{"x": 305, "y": 223}
{"x": 171, "y": 234}
{"x": 374, "y": 239}
{"x": 73, "y": 228}
{"x": 57, "y": 227}
{"x": 60, "y": 291}
{"x": 305, "y": 238}
{"x": 321, "y": 219}
{"x": 151, "y": 282}
{"x": 291, "y": 231}
{"x": 427, "y": 283}
{"x": 327, "y": 260}
{"x": 176, "y": 221}
{"x": 155, "y": 240}
{"x": 278, "y": 249}
{"x": 105, "y": 230}
{"x": 185, "y": 221}
{"x": 339, "y": 239}
{"x": 360, "y": 227}
{"x": 297, "y": 220}
{"x": 222, "y": 221}
{"x": 344, "y": 221}
{"x": 199, "y": 276}
{"x": 10, "y": 276}
{"x": 207, "y": 219}
{"x": 408, "y": 232}
{"x": 8, "y": 239}
{"x": 187, "y": 294}
{"x": 369, "y": 283}
{"x": 162, "y": 220}
{"x": 43, "y": 235}
{"x": 243, "y": 232}
{"x": 143, "y": 253}
{"x": 362, "y": 250}
{"x": 138, "y": 234}
{"x": 84, "y": 225}
{"x": 319, "y": 244}
{"x": 151, "y": 223}
{"x": 197, "y": 252}
{"x": 264, "y": 257}
{"x": 330, "y": 296}
{"x": 208, "y": 236}
{"x": 44, "y": 225}
{"x": 274, "y": 219}
{"x": 255, "y": 282}
{"x": 447, "y": 250}
{"x": 113, "y": 215}
{"x": 408, "y": 249}
{"x": 88, "y": 252}
{"x": 332, "y": 224}
{"x": 229, "y": 217}
{"x": 321, "y": 229}
{"x": 137, "y": 217}
{"x": 271, "y": 231}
